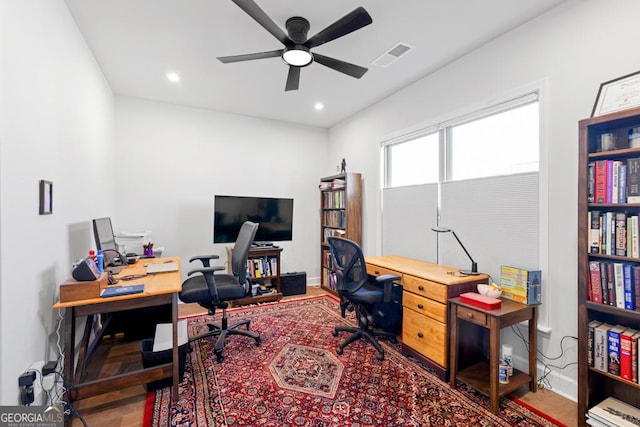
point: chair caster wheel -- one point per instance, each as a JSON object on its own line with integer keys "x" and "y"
{"x": 334, "y": 333}
{"x": 380, "y": 356}
{"x": 338, "y": 350}
{"x": 219, "y": 357}
{"x": 393, "y": 340}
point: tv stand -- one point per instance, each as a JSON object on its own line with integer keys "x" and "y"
{"x": 259, "y": 274}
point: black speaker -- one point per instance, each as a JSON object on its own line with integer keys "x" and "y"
{"x": 293, "y": 283}
{"x": 86, "y": 271}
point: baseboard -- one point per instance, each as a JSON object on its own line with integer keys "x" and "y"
{"x": 554, "y": 381}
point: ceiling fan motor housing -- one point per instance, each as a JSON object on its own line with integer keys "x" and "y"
{"x": 297, "y": 27}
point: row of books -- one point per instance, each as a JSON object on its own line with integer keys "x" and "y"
{"x": 333, "y": 200}
{"x": 612, "y": 412}
{"x": 332, "y": 232}
{"x": 613, "y": 349}
{"x": 327, "y": 260}
{"x": 329, "y": 278}
{"x": 335, "y": 184}
{"x": 614, "y": 283}
{"x": 262, "y": 267}
{"x": 614, "y": 181}
{"x": 613, "y": 233}
{"x": 334, "y": 218}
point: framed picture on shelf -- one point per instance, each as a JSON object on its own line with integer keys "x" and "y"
{"x": 46, "y": 197}
{"x": 617, "y": 94}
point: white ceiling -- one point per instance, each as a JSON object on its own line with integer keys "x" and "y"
{"x": 136, "y": 42}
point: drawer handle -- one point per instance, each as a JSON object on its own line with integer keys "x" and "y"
{"x": 470, "y": 315}
{"x": 421, "y": 288}
{"x": 420, "y": 335}
{"x": 377, "y": 273}
{"x": 420, "y": 306}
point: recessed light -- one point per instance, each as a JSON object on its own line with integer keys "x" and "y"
{"x": 318, "y": 106}
{"x": 173, "y": 77}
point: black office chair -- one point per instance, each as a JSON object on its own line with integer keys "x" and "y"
{"x": 213, "y": 291}
{"x": 357, "y": 290}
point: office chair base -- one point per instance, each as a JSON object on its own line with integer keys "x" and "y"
{"x": 222, "y": 330}
{"x": 368, "y": 335}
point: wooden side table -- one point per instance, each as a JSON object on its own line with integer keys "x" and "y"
{"x": 483, "y": 376}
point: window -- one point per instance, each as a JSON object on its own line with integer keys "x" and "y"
{"x": 413, "y": 162}
{"x": 501, "y": 140}
{"x": 505, "y": 143}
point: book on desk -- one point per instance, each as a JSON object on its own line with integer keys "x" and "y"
{"x": 116, "y": 291}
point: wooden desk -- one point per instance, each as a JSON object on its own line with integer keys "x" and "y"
{"x": 159, "y": 289}
{"x": 426, "y": 289}
{"x": 482, "y": 376}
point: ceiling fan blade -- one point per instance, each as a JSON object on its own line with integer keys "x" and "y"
{"x": 352, "y": 70}
{"x": 250, "y": 56}
{"x": 349, "y": 23}
{"x": 254, "y": 11}
{"x": 293, "y": 79}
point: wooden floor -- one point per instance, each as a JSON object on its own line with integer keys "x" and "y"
{"x": 126, "y": 407}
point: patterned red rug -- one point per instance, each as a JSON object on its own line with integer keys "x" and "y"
{"x": 295, "y": 378}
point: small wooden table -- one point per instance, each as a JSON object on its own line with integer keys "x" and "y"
{"x": 483, "y": 376}
{"x": 159, "y": 289}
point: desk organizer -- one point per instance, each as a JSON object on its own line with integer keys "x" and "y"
{"x": 481, "y": 301}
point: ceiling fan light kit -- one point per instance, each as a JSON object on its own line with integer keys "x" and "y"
{"x": 297, "y": 51}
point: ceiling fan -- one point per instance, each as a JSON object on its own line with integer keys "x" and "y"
{"x": 297, "y": 47}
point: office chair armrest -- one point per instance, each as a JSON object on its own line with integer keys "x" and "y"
{"x": 387, "y": 280}
{"x": 206, "y": 270}
{"x": 205, "y": 259}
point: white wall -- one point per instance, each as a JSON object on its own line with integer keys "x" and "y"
{"x": 571, "y": 50}
{"x": 172, "y": 160}
{"x": 56, "y": 123}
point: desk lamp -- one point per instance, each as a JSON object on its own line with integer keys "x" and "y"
{"x": 474, "y": 265}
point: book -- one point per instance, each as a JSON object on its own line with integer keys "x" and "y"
{"x": 613, "y": 341}
{"x": 628, "y": 298}
{"x": 591, "y": 182}
{"x": 635, "y": 277}
{"x": 634, "y": 357}
{"x": 600, "y": 346}
{"x": 590, "y": 332}
{"x": 633, "y": 180}
{"x": 116, "y": 291}
{"x": 604, "y": 282}
{"x": 622, "y": 187}
{"x": 609, "y": 181}
{"x": 625, "y": 353}
{"x": 621, "y": 234}
{"x": 600, "y": 188}
{"x": 619, "y": 284}
{"x": 596, "y": 282}
{"x": 611, "y": 289}
{"x": 635, "y": 246}
{"x": 594, "y": 231}
{"x": 614, "y": 412}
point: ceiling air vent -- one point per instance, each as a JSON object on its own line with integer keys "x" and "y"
{"x": 392, "y": 55}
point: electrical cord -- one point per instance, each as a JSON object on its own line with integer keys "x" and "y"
{"x": 543, "y": 382}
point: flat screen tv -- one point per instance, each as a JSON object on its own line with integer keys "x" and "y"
{"x": 275, "y": 216}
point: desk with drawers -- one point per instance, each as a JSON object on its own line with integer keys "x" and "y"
{"x": 425, "y": 320}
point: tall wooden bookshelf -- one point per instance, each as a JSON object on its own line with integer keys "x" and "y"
{"x": 594, "y": 385}
{"x": 340, "y": 215}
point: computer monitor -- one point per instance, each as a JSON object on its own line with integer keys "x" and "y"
{"x": 103, "y": 233}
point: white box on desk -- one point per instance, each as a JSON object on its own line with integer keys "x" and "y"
{"x": 133, "y": 241}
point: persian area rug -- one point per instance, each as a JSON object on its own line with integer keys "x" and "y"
{"x": 295, "y": 378}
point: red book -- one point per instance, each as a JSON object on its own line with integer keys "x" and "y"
{"x": 625, "y": 353}
{"x": 601, "y": 181}
{"x": 634, "y": 357}
{"x": 595, "y": 290}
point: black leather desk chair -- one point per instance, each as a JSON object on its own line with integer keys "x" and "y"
{"x": 357, "y": 290}
{"x": 212, "y": 290}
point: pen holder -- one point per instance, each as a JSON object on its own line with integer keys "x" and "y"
{"x": 148, "y": 252}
